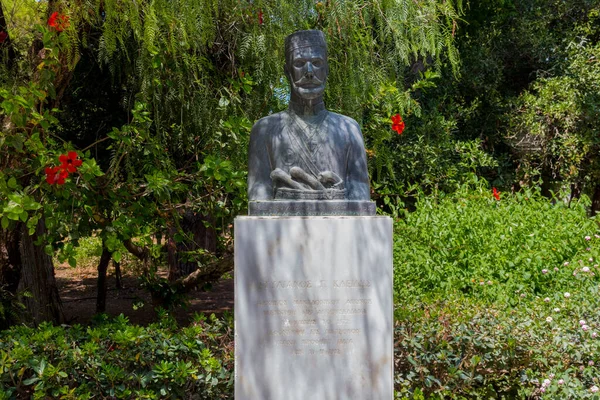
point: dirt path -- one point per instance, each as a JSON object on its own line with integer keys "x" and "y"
{"x": 77, "y": 287}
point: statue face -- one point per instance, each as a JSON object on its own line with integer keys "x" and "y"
{"x": 307, "y": 69}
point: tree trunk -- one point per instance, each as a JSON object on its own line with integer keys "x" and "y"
{"x": 199, "y": 237}
{"x": 7, "y": 43}
{"x": 596, "y": 200}
{"x": 10, "y": 260}
{"x": 575, "y": 192}
{"x": 101, "y": 287}
{"x": 37, "y": 278}
{"x": 118, "y": 275}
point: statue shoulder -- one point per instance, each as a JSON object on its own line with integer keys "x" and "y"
{"x": 344, "y": 120}
{"x": 273, "y": 121}
{"x": 347, "y": 128}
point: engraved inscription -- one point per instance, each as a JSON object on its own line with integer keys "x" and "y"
{"x": 310, "y": 326}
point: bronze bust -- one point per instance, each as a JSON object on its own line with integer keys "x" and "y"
{"x": 306, "y": 153}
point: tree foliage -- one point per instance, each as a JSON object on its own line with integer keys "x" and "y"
{"x": 157, "y": 99}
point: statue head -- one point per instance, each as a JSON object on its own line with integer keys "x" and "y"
{"x": 306, "y": 64}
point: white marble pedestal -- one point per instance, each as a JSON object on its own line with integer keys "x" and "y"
{"x": 313, "y": 308}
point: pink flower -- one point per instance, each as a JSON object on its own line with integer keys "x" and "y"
{"x": 546, "y": 382}
{"x": 560, "y": 381}
{"x": 582, "y": 322}
{"x": 544, "y": 271}
{"x": 588, "y": 238}
{"x": 585, "y": 327}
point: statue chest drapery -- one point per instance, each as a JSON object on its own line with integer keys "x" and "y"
{"x": 313, "y": 147}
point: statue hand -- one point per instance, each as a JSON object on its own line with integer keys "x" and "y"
{"x": 330, "y": 179}
{"x": 281, "y": 179}
{"x": 299, "y": 175}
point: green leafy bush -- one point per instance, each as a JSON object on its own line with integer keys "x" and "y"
{"x": 118, "y": 360}
{"x": 469, "y": 242}
{"x": 497, "y": 298}
{"x": 459, "y": 348}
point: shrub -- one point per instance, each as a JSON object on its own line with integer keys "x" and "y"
{"x": 119, "y": 360}
{"x": 458, "y": 348}
{"x": 471, "y": 243}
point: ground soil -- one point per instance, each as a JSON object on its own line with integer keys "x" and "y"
{"x": 77, "y": 287}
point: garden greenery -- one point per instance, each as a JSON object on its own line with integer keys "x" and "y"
{"x": 530, "y": 331}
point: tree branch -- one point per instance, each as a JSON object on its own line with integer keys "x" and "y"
{"x": 140, "y": 252}
{"x": 208, "y": 273}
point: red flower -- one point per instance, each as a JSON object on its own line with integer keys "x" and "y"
{"x": 69, "y": 162}
{"x": 58, "y": 21}
{"x": 495, "y": 193}
{"x": 397, "y": 124}
{"x": 3, "y": 36}
{"x": 56, "y": 175}
{"x": 260, "y": 17}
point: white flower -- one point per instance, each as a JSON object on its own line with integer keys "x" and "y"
{"x": 585, "y": 269}
{"x": 557, "y": 309}
{"x": 582, "y": 322}
{"x": 555, "y": 269}
{"x": 567, "y": 295}
{"x": 481, "y": 283}
{"x": 574, "y": 273}
{"x": 551, "y": 376}
{"x": 544, "y": 271}
{"x": 490, "y": 282}
{"x": 560, "y": 381}
{"x": 566, "y": 264}
{"x": 590, "y": 259}
{"x": 594, "y": 389}
{"x": 597, "y": 236}
{"x": 547, "y": 299}
{"x": 591, "y": 363}
{"x": 588, "y": 238}
{"x": 594, "y": 334}
{"x": 523, "y": 295}
{"x": 546, "y": 382}
{"x": 549, "y": 319}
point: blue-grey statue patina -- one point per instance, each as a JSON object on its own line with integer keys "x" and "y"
{"x": 307, "y": 160}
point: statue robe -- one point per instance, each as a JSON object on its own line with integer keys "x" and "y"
{"x": 280, "y": 141}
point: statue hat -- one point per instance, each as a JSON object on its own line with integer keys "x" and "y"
{"x": 309, "y": 38}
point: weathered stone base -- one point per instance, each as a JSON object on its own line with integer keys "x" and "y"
{"x": 312, "y": 208}
{"x": 313, "y": 308}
